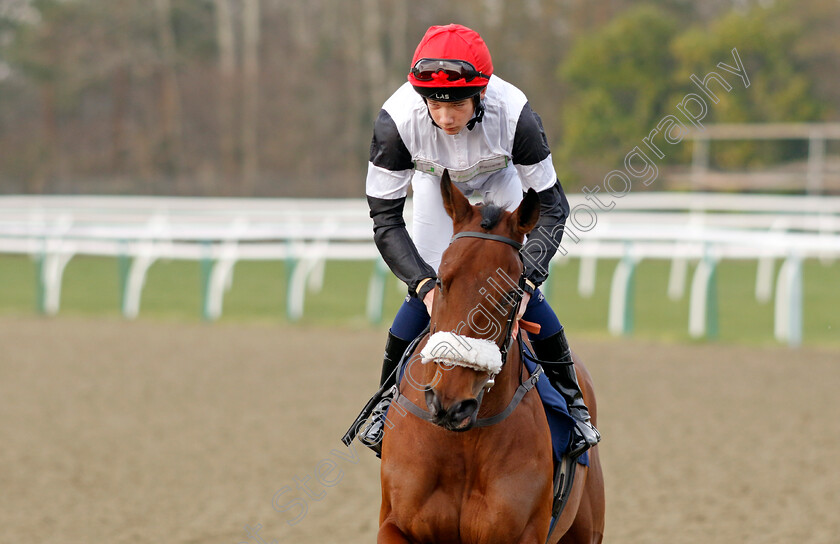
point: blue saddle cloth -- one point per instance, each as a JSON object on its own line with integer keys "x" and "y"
{"x": 556, "y": 411}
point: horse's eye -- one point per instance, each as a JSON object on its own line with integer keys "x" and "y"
{"x": 439, "y": 283}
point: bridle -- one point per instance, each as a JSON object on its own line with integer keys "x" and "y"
{"x": 507, "y": 341}
{"x": 511, "y": 318}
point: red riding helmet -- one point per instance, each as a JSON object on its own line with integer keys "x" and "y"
{"x": 451, "y": 63}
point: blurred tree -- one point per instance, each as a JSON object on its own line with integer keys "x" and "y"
{"x": 37, "y": 52}
{"x": 619, "y": 86}
{"x": 170, "y": 95}
{"x": 250, "y": 93}
{"x": 818, "y": 49}
{"x": 225, "y": 107}
{"x": 781, "y": 88}
{"x": 278, "y": 98}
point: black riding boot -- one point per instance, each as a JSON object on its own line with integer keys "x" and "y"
{"x": 555, "y": 349}
{"x": 372, "y": 435}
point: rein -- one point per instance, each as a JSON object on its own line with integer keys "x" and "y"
{"x": 507, "y": 341}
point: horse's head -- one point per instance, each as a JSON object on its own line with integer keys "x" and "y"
{"x": 476, "y": 298}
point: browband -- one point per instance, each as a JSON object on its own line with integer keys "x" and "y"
{"x": 469, "y": 234}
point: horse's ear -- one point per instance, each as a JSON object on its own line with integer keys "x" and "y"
{"x": 526, "y": 215}
{"x": 456, "y": 204}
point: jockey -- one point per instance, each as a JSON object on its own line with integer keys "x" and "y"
{"x": 454, "y": 113}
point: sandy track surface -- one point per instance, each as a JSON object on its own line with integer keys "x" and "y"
{"x": 173, "y": 433}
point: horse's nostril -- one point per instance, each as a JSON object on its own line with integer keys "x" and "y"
{"x": 433, "y": 402}
{"x": 463, "y": 410}
{"x": 458, "y": 417}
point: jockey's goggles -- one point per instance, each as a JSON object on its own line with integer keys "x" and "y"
{"x": 425, "y": 69}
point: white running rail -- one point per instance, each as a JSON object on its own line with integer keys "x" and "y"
{"x": 680, "y": 227}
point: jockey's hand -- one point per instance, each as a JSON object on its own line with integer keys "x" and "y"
{"x": 526, "y": 297}
{"x": 429, "y": 300}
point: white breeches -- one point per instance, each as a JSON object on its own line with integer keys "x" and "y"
{"x": 433, "y": 228}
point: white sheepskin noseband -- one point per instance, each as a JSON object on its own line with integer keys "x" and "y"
{"x": 456, "y": 349}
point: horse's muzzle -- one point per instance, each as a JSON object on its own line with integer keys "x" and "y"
{"x": 459, "y": 417}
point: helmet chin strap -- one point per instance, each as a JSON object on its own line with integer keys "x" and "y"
{"x": 479, "y": 112}
{"x": 478, "y": 116}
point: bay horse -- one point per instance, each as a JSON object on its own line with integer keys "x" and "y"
{"x": 446, "y": 480}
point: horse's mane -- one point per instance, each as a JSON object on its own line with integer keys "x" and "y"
{"x": 490, "y": 215}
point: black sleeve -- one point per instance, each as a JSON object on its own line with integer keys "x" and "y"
{"x": 544, "y": 240}
{"x": 396, "y": 246}
{"x": 530, "y": 145}
{"x": 387, "y": 149}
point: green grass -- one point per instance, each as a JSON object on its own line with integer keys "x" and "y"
{"x": 17, "y": 285}
{"x": 741, "y": 318}
{"x": 173, "y": 291}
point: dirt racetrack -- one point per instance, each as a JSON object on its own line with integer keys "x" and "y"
{"x": 187, "y": 433}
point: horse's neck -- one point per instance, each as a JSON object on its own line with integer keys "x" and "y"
{"x": 508, "y": 380}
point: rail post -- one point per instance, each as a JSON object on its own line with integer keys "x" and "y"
{"x": 788, "y": 312}
{"x": 620, "y": 317}
{"x": 376, "y": 291}
{"x": 703, "y": 307}
{"x": 206, "y": 274}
